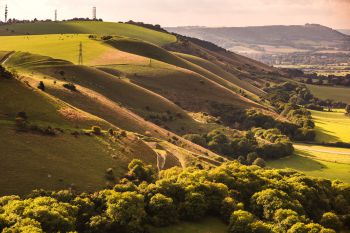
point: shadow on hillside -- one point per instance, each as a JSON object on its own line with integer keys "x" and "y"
{"x": 323, "y": 135}
{"x": 299, "y": 162}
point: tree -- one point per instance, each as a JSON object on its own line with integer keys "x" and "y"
{"x": 251, "y": 157}
{"x": 196, "y": 138}
{"x": 162, "y": 210}
{"x": 267, "y": 202}
{"x": 139, "y": 171}
{"x": 194, "y": 207}
{"x": 126, "y": 210}
{"x": 41, "y": 86}
{"x": 259, "y": 162}
{"x": 96, "y": 130}
{"x": 331, "y": 220}
{"x": 228, "y": 205}
{"x": 240, "y": 222}
{"x": 286, "y": 218}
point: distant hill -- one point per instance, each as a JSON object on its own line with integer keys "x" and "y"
{"x": 295, "y": 37}
{"x": 345, "y": 31}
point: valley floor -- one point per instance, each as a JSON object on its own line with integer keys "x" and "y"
{"x": 318, "y": 161}
{"x": 331, "y": 126}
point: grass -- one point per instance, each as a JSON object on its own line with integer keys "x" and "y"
{"x": 329, "y": 154}
{"x": 40, "y": 107}
{"x": 55, "y": 162}
{"x": 331, "y": 126}
{"x": 101, "y": 28}
{"x": 251, "y": 90}
{"x": 189, "y": 90}
{"x": 328, "y": 92}
{"x": 151, "y": 51}
{"x": 65, "y": 47}
{"x": 207, "y": 225}
{"x": 315, "y": 168}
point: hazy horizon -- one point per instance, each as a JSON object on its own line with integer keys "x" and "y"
{"x": 209, "y": 13}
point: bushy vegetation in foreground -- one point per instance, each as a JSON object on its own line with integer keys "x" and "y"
{"x": 247, "y": 198}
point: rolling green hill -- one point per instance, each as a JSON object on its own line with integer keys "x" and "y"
{"x": 137, "y": 80}
{"x": 77, "y": 27}
{"x": 64, "y": 159}
{"x": 151, "y": 51}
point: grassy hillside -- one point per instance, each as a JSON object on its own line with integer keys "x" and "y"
{"x": 76, "y": 27}
{"x": 55, "y": 162}
{"x": 109, "y": 97}
{"x": 66, "y": 47}
{"x": 119, "y": 93}
{"x": 189, "y": 90}
{"x": 160, "y": 54}
{"x": 335, "y": 93}
{"x": 35, "y": 161}
{"x": 331, "y": 126}
{"x": 41, "y": 108}
{"x": 241, "y": 83}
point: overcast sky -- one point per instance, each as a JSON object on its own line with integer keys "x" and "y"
{"x": 333, "y": 13}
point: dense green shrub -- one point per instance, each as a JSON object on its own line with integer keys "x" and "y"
{"x": 96, "y": 130}
{"x": 70, "y": 86}
{"x": 159, "y": 209}
{"x": 259, "y": 162}
{"x": 248, "y": 198}
{"x": 196, "y": 138}
{"x": 331, "y": 220}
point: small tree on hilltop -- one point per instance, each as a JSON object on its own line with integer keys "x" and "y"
{"x": 96, "y": 130}
{"x": 41, "y": 86}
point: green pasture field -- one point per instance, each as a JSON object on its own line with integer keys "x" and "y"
{"x": 332, "y": 126}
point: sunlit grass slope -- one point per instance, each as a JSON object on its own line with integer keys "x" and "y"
{"x": 66, "y": 47}
{"x": 327, "y": 92}
{"x": 331, "y": 126}
{"x": 101, "y": 28}
{"x": 329, "y": 154}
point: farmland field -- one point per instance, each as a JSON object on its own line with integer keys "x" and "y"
{"x": 314, "y": 163}
{"x": 331, "y": 126}
{"x": 327, "y": 92}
